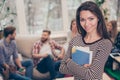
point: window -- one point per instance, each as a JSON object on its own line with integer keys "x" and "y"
{"x": 72, "y": 7}
{"x": 8, "y": 14}
{"x": 32, "y": 16}
{"x": 43, "y": 14}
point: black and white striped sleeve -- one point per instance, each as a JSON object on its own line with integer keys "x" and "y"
{"x": 95, "y": 69}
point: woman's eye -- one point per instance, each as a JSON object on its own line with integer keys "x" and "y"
{"x": 82, "y": 20}
{"x": 91, "y": 19}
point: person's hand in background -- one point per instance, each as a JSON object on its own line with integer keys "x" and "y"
{"x": 22, "y": 71}
{"x": 37, "y": 56}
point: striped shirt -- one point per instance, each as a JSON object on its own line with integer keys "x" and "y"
{"x": 101, "y": 49}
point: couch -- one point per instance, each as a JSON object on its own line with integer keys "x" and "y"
{"x": 25, "y": 44}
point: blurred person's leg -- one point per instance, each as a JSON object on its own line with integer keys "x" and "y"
{"x": 28, "y": 64}
{"x": 18, "y": 77}
{"x": 57, "y": 65}
{"x": 47, "y": 65}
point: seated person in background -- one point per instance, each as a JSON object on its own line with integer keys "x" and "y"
{"x": 114, "y": 35}
{"x": 44, "y": 55}
{"x": 116, "y": 48}
{"x": 72, "y": 33}
{"x": 8, "y": 50}
{"x": 112, "y": 29}
{"x": 73, "y": 30}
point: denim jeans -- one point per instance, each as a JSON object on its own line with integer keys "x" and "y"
{"x": 49, "y": 65}
{"x": 57, "y": 66}
{"x": 28, "y": 64}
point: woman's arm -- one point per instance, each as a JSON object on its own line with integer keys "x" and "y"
{"x": 63, "y": 67}
{"x": 97, "y": 66}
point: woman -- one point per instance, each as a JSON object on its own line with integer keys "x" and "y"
{"x": 73, "y": 30}
{"x": 112, "y": 29}
{"x": 90, "y": 23}
{"x": 72, "y": 33}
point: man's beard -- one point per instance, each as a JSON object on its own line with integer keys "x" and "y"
{"x": 44, "y": 40}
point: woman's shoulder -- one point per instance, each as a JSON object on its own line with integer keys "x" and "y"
{"x": 77, "y": 38}
{"x": 106, "y": 42}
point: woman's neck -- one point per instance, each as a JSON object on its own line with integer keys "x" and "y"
{"x": 74, "y": 33}
{"x": 89, "y": 38}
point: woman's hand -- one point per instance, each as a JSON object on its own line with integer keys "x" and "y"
{"x": 86, "y": 65}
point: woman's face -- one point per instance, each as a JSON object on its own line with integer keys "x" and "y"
{"x": 88, "y": 21}
{"x": 74, "y": 26}
{"x": 109, "y": 27}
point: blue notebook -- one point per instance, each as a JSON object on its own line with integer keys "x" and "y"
{"x": 81, "y": 55}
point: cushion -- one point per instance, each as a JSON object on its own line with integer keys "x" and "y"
{"x": 38, "y": 76}
{"x": 25, "y": 44}
{"x": 20, "y": 56}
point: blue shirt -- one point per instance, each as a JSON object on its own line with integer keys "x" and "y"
{"x": 7, "y": 50}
